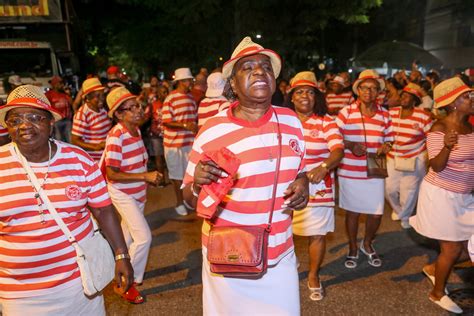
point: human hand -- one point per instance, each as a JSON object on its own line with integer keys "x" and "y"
{"x": 207, "y": 172}
{"x": 384, "y": 149}
{"x": 297, "y": 194}
{"x": 317, "y": 174}
{"x": 123, "y": 274}
{"x": 191, "y": 126}
{"x": 153, "y": 177}
{"x": 450, "y": 139}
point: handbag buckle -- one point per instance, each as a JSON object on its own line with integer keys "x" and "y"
{"x": 233, "y": 257}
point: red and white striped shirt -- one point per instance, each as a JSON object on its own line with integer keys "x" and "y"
{"x": 256, "y": 145}
{"x": 210, "y": 107}
{"x": 321, "y": 136}
{"x": 458, "y": 176}
{"x": 128, "y": 154}
{"x": 36, "y": 258}
{"x": 382, "y": 98}
{"x": 178, "y": 107}
{"x": 378, "y": 128}
{"x": 410, "y": 132}
{"x": 3, "y": 131}
{"x": 336, "y": 102}
{"x": 92, "y": 127}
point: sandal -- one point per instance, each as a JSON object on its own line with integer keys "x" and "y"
{"x": 316, "y": 293}
{"x": 131, "y": 296}
{"x": 372, "y": 258}
{"x": 351, "y": 261}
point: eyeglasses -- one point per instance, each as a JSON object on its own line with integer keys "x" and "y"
{"x": 131, "y": 108}
{"x": 30, "y": 118}
{"x": 371, "y": 89}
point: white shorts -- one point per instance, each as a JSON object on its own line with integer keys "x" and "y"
{"x": 177, "y": 161}
{"x": 365, "y": 196}
{"x": 313, "y": 220}
{"x": 443, "y": 214}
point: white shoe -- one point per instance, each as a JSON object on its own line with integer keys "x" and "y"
{"x": 395, "y": 216}
{"x": 446, "y": 303}
{"x": 405, "y": 224}
{"x": 181, "y": 210}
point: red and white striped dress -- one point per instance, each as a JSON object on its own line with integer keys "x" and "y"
{"x": 36, "y": 258}
{"x": 256, "y": 145}
{"x": 209, "y": 107}
{"x": 410, "y": 133}
{"x": 178, "y": 107}
{"x": 128, "y": 154}
{"x": 92, "y": 127}
{"x": 336, "y": 102}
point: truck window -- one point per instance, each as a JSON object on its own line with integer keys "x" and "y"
{"x": 26, "y": 62}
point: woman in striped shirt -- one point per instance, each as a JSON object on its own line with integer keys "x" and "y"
{"x": 445, "y": 210}
{"x": 406, "y": 163}
{"x": 125, "y": 159}
{"x": 366, "y": 128}
{"x": 324, "y": 151}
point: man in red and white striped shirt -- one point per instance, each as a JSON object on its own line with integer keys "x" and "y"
{"x": 91, "y": 124}
{"x": 336, "y": 99}
{"x": 214, "y": 101}
{"x": 180, "y": 126}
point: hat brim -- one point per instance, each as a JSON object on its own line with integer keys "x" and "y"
{"x": 275, "y": 60}
{"x": 451, "y": 99}
{"x": 4, "y": 110}
{"x": 113, "y": 109}
{"x": 302, "y": 84}
{"x": 359, "y": 81}
{"x": 92, "y": 90}
{"x": 214, "y": 93}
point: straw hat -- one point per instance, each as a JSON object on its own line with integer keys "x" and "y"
{"x": 116, "y": 97}
{"x": 215, "y": 85}
{"x": 339, "y": 80}
{"x": 28, "y": 96}
{"x": 449, "y": 90}
{"x": 247, "y": 48}
{"x": 368, "y": 74}
{"x": 304, "y": 78}
{"x": 91, "y": 84}
{"x": 182, "y": 74}
{"x": 415, "y": 90}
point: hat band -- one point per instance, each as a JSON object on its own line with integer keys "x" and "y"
{"x": 451, "y": 93}
{"x": 412, "y": 91}
{"x": 94, "y": 88}
{"x": 370, "y": 77}
{"x": 121, "y": 99}
{"x": 248, "y": 50}
{"x": 303, "y": 82}
{"x": 30, "y": 101}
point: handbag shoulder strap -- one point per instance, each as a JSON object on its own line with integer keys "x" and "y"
{"x": 43, "y": 195}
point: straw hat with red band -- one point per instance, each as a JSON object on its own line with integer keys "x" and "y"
{"x": 415, "y": 90}
{"x": 304, "y": 78}
{"x": 368, "y": 74}
{"x": 116, "y": 97}
{"x": 28, "y": 96}
{"x": 247, "y": 48}
{"x": 91, "y": 84}
{"x": 448, "y": 91}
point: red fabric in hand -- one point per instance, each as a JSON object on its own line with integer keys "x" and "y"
{"x": 212, "y": 194}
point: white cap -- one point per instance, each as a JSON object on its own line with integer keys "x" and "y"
{"x": 182, "y": 73}
{"x": 215, "y": 85}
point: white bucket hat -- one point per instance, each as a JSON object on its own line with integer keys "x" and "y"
{"x": 182, "y": 74}
{"x": 215, "y": 85}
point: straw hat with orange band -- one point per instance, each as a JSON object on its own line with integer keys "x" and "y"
{"x": 116, "y": 97}
{"x": 304, "y": 78}
{"x": 90, "y": 85}
{"x": 448, "y": 91}
{"x": 414, "y": 90}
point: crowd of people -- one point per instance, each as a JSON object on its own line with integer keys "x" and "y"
{"x": 240, "y": 149}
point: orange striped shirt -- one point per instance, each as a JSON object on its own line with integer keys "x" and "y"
{"x": 36, "y": 257}
{"x": 379, "y": 130}
{"x": 210, "y": 107}
{"x": 178, "y": 107}
{"x": 458, "y": 176}
{"x": 410, "y": 132}
{"x": 256, "y": 145}
{"x": 128, "y": 154}
{"x": 92, "y": 127}
{"x": 321, "y": 136}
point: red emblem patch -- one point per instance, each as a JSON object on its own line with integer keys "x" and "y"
{"x": 314, "y": 133}
{"x": 295, "y": 146}
{"x": 416, "y": 126}
{"x": 73, "y": 192}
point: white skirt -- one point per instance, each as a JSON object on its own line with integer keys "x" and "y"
{"x": 276, "y": 293}
{"x": 365, "y": 196}
{"x": 313, "y": 220}
{"x": 443, "y": 215}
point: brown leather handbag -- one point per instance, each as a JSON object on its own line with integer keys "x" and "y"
{"x": 241, "y": 251}
{"x": 376, "y": 164}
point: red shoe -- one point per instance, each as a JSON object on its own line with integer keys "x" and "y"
{"x": 132, "y": 295}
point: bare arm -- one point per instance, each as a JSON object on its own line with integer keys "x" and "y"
{"x": 317, "y": 174}
{"x": 190, "y": 126}
{"x": 114, "y": 174}
{"x": 77, "y": 140}
{"x": 439, "y": 162}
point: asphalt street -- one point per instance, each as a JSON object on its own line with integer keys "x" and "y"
{"x": 173, "y": 284}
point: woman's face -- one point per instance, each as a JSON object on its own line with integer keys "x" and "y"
{"x": 96, "y": 99}
{"x": 304, "y": 99}
{"x": 368, "y": 90}
{"x": 407, "y": 100}
{"x": 130, "y": 112}
{"x": 29, "y": 127}
{"x": 253, "y": 80}
{"x": 465, "y": 103}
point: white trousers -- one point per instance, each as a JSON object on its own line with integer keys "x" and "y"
{"x": 69, "y": 301}
{"x": 401, "y": 187}
{"x": 135, "y": 229}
